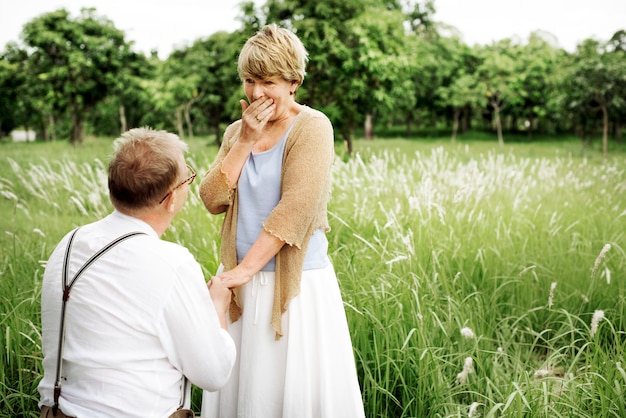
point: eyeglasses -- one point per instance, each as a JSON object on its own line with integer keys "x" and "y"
{"x": 188, "y": 180}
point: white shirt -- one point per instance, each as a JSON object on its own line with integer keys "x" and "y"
{"x": 137, "y": 320}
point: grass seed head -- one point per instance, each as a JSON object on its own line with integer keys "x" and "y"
{"x": 467, "y": 332}
{"x": 467, "y": 369}
{"x": 601, "y": 256}
{"x": 551, "y": 296}
{"x": 595, "y": 320}
{"x": 472, "y": 409}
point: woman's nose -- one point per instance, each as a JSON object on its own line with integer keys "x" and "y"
{"x": 258, "y": 91}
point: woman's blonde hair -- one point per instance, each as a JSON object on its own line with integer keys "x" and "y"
{"x": 273, "y": 52}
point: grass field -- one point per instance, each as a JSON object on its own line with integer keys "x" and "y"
{"x": 478, "y": 281}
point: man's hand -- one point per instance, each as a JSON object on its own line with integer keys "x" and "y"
{"x": 221, "y": 296}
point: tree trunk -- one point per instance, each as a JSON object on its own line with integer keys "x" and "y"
{"x": 368, "y": 127}
{"x": 179, "y": 122}
{"x": 455, "y": 123}
{"x": 466, "y": 119}
{"x": 409, "y": 120}
{"x": 348, "y": 140}
{"x": 188, "y": 118}
{"x": 531, "y": 122}
{"x": 605, "y": 130}
{"x": 44, "y": 123}
{"x": 52, "y": 128}
{"x": 76, "y": 135}
{"x": 496, "y": 109}
{"x": 346, "y": 133}
{"x": 123, "y": 125}
{"x": 218, "y": 134}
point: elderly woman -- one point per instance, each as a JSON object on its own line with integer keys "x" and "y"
{"x": 271, "y": 177}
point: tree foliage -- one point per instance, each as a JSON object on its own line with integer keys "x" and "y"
{"x": 12, "y": 78}
{"x": 372, "y": 63}
{"x": 597, "y": 85}
{"x": 77, "y": 61}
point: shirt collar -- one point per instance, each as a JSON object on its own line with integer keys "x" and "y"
{"x": 134, "y": 223}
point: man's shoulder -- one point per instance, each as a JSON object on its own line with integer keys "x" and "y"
{"x": 163, "y": 248}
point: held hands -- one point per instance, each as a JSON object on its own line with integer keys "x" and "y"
{"x": 235, "y": 277}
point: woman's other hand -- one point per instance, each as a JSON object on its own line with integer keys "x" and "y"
{"x": 255, "y": 116}
{"x": 235, "y": 277}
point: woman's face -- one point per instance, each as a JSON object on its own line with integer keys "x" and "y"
{"x": 275, "y": 88}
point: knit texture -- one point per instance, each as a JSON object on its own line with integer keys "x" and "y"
{"x": 302, "y": 209}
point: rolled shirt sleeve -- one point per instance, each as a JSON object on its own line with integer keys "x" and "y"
{"x": 191, "y": 333}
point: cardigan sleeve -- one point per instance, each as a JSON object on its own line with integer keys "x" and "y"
{"x": 306, "y": 178}
{"x": 215, "y": 190}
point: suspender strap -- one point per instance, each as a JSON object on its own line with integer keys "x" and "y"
{"x": 67, "y": 287}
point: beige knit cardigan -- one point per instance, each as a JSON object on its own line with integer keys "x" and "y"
{"x": 302, "y": 209}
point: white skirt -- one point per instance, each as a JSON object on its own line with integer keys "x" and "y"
{"x": 308, "y": 373}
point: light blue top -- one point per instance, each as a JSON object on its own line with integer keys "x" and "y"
{"x": 259, "y": 192}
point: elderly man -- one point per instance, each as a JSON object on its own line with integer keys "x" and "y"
{"x": 127, "y": 319}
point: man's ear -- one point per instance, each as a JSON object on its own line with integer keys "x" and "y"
{"x": 171, "y": 207}
{"x": 170, "y": 202}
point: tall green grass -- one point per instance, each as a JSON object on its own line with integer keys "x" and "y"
{"x": 470, "y": 273}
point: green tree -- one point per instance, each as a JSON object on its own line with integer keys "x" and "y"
{"x": 450, "y": 83}
{"x": 461, "y": 94}
{"x": 616, "y": 47}
{"x": 12, "y": 79}
{"x": 323, "y": 28}
{"x": 31, "y": 103}
{"x": 79, "y": 59}
{"x": 357, "y": 59}
{"x": 376, "y": 65}
{"x": 536, "y": 66}
{"x": 127, "y": 102}
{"x": 24, "y": 99}
{"x": 211, "y": 66}
{"x": 499, "y": 79}
{"x": 596, "y": 84}
{"x": 127, "y": 92}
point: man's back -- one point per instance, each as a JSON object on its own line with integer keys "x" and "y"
{"x": 137, "y": 320}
